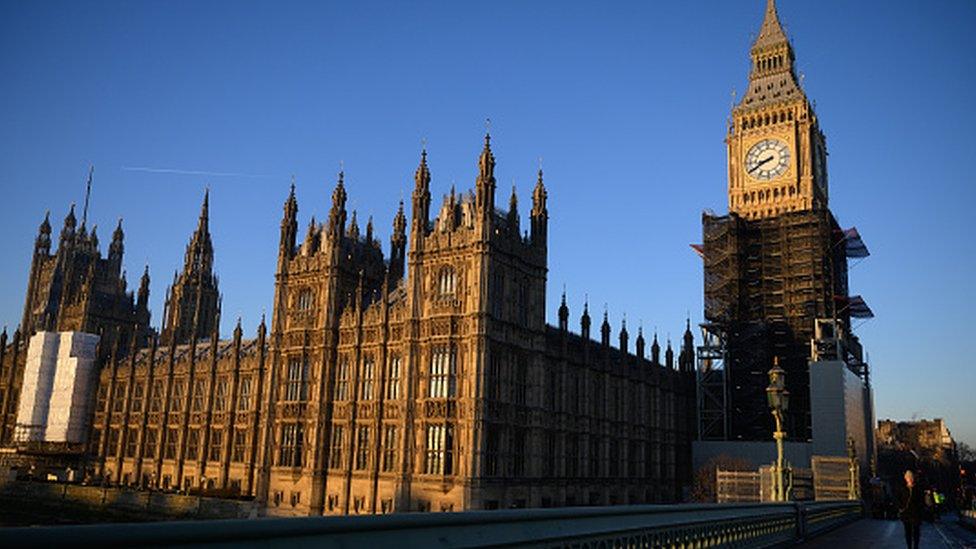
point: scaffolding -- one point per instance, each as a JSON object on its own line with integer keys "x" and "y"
{"x": 766, "y": 283}
{"x": 713, "y": 423}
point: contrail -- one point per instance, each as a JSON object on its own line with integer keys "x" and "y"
{"x": 192, "y": 172}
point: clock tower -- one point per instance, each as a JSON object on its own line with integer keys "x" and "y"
{"x": 775, "y": 267}
{"x": 776, "y": 151}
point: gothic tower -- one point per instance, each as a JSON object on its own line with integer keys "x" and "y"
{"x": 776, "y": 264}
{"x": 193, "y": 300}
{"x": 75, "y": 288}
{"x": 776, "y": 151}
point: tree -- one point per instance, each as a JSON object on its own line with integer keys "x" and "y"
{"x": 965, "y": 452}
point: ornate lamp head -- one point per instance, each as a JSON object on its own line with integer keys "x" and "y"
{"x": 776, "y": 394}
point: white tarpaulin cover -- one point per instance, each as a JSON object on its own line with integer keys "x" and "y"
{"x": 58, "y": 379}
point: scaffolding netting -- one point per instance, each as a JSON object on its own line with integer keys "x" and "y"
{"x": 854, "y": 244}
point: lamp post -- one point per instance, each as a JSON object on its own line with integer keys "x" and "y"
{"x": 853, "y": 491}
{"x": 779, "y": 401}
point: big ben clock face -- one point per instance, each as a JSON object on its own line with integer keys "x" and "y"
{"x": 768, "y": 159}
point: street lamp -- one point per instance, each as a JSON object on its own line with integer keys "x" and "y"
{"x": 779, "y": 401}
{"x": 853, "y": 491}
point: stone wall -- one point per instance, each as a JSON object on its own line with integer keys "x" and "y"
{"x": 130, "y": 504}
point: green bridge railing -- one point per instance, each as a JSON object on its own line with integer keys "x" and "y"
{"x": 637, "y": 526}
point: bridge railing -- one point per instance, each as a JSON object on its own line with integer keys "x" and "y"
{"x": 671, "y": 526}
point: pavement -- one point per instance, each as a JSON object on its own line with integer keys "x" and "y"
{"x": 882, "y": 534}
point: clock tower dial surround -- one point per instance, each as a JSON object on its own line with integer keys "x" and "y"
{"x": 776, "y": 151}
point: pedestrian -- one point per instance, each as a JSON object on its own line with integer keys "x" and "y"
{"x": 911, "y": 509}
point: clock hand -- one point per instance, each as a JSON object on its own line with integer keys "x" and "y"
{"x": 759, "y": 165}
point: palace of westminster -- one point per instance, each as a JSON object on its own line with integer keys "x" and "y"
{"x": 427, "y": 380}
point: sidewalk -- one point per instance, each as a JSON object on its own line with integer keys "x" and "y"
{"x": 883, "y": 534}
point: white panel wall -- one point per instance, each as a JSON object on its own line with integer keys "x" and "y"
{"x": 73, "y": 382}
{"x": 837, "y": 399}
{"x": 38, "y": 382}
{"x": 58, "y": 380}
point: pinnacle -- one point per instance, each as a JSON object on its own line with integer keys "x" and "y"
{"x": 771, "y": 31}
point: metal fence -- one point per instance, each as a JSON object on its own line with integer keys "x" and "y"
{"x": 737, "y": 486}
{"x": 668, "y": 526}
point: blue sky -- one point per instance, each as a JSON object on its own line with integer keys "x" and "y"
{"x": 625, "y": 102}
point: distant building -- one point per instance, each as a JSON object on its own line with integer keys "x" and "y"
{"x": 426, "y": 381}
{"x": 930, "y": 438}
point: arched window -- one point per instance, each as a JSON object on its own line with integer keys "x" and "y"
{"x": 304, "y": 301}
{"x": 447, "y": 282}
{"x": 443, "y": 372}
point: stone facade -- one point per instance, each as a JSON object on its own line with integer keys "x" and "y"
{"x": 777, "y": 152}
{"x": 929, "y": 437}
{"x": 428, "y": 380}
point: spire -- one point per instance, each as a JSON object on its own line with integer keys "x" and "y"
{"x": 540, "y": 215}
{"x": 193, "y": 300}
{"x": 585, "y": 320}
{"x": 291, "y": 203}
{"x": 421, "y": 201}
{"x": 624, "y": 336}
{"x": 669, "y": 356}
{"x": 400, "y": 224}
{"x": 605, "y": 328}
{"x": 655, "y": 350}
{"x": 353, "y": 232}
{"x": 771, "y": 33}
{"x": 369, "y": 230}
{"x": 68, "y": 230}
{"x": 513, "y": 216}
{"x": 93, "y": 239}
{"x": 311, "y": 244}
{"x": 772, "y": 78}
{"x": 486, "y": 162}
{"x": 45, "y": 227}
{"x": 337, "y": 214}
{"x": 117, "y": 248}
{"x": 563, "y": 314}
{"x": 486, "y": 181}
{"x": 289, "y": 227}
{"x": 640, "y": 340}
{"x": 422, "y": 175}
{"x": 43, "y": 242}
{"x": 204, "y": 224}
{"x": 513, "y": 201}
{"x": 84, "y": 214}
{"x": 199, "y": 252}
{"x": 539, "y": 196}
{"x": 143, "y": 296}
{"x": 398, "y": 244}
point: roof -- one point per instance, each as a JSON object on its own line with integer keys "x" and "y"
{"x": 771, "y": 33}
